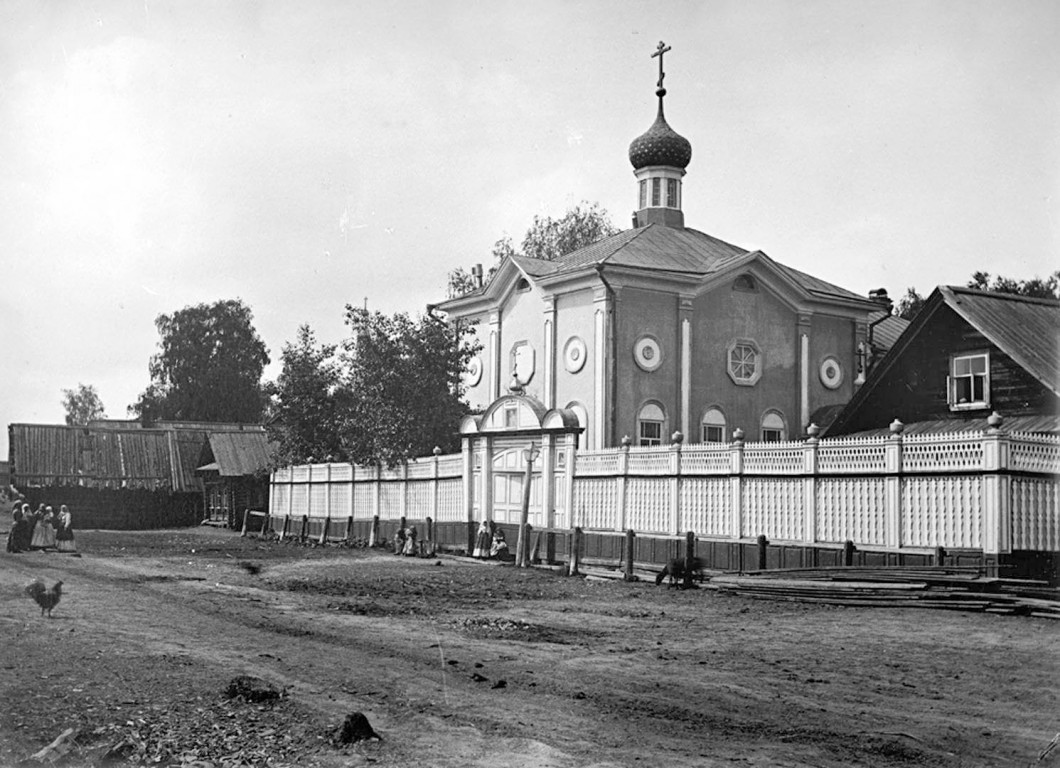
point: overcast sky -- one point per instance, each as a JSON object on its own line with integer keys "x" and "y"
{"x": 306, "y": 155}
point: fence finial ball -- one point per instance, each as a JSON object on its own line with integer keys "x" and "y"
{"x": 676, "y": 437}
{"x": 437, "y": 451}
{"x": 994, "y": 420}
{"x": 626, "y": 441}
{"x": 813, "y": 430}
{"x": 897, "y": 427}
{"x": 737, "y": 434}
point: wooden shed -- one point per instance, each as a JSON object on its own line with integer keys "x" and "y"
{"x": 234, "y": 467}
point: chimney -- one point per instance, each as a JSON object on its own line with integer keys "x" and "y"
{"x": 476, "y": 272}
{"x": 879, "y": 295}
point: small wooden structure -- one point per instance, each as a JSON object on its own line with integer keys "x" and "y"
{"x": 234, "y": 468}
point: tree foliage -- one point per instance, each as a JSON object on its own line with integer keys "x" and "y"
{"x": 404, "y": 393}
{"x": 547, "y": 238}
{"x": 82, "y": 405}
{"x": 208, "y": 368}
{"x": 910, "y": 304}
{"x": 308, "y": 399}
{"x": 1036, "y": 287}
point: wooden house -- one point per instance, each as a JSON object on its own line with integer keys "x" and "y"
{"x": 114, "y": 474}
{"x": 966, "y": 355}
{"x": 234, "y": 468}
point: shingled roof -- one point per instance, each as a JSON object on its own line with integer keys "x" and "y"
{"x": 237, "y": 454}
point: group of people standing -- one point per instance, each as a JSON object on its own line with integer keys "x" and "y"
{"x": 41, "y": 529}
{"x": 490, "y": 543}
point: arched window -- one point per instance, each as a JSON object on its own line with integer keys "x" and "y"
{"x": 713, "y": 426}
{"x": 583, "y": 421}
{"x": 651, "y": 423}
{"x": 774, "y": 430}
{"x": 744, "y": 283}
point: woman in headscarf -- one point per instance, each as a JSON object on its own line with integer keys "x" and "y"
{"x": 14, "y": 536}
{"x": 44, "y": 531}
{"x": 483, "y": 539}
{"x": 64, "y": 533}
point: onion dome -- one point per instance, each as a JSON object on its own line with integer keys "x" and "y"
{"x": 660, "y": 145}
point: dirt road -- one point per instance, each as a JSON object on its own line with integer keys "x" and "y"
{"x": 457, "y": 663}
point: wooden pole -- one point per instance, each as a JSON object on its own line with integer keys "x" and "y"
{"x": 628, "y": 574}
{"x": 762, "y": 544}
{"x": 246, "y": 519}
{"x": 265, "y": 523}
{"x": 304, "y": 529}
{"x": 575, "y": 552}
{"x": 428, "y": 544}
{"x": 349, "y": 529}
{"x": 373, "y": 536}
{"x": 848, "y": 553}
{"x": 521, "y": 559}
{"x": 324, "y": 533}
{"x": 940, "y": 556}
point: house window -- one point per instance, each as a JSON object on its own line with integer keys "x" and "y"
{"x": 650, "y": 423}
{"x": 969, "y": 381}
{"x": 773, "y": 428}
{"x": 744, "y": 283}
{"x": 511, "y": 415}
{"x": 671, "y": 193}
{"x": 744, "y": 362}
{"x": 713, "y": 426}
{"x": 643, "y": 193}
{"x": 656, "y": 191}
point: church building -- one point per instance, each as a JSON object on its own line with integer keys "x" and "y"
{"x": 663, "y": 328}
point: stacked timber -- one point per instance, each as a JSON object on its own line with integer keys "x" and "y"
{"x": 946, "y": 588}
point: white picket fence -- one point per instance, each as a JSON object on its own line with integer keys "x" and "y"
{"x": 992, "y": 491}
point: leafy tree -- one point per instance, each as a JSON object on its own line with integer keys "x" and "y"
{"x": 1036, "y": 287}
{"x": 910, "y": 304}
{"x": 208, "y": 368}
{"x": 308, "y": 402}
{"x": 404, "y": 388}
{"x": 82, "y": 405}
{"x": 547, "y": 239}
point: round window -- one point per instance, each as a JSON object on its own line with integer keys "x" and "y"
{"x": 831, "y": 373}
{"x": 647, "y": 353}
{"x": 574, "y": 354}
{"x": 474, "y": 372}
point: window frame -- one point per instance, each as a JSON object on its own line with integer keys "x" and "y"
{"x": 649, "y": 441}
{"x": 953, "y": 381}
{"x": 722, "y": 425}
{"x": 756, "y": 374}
{"x": 766, "y": 433}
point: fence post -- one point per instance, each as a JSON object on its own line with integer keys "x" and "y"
{"x": 736, "y": 483}
{"x": 305, "y": 528}
{"x": 675, "y": 483}
{"x": 620, "y": 484}
{"x": 996, "y": 534}
{"x": 349, "y": 529}
{"x": 575, "y": 552}
{"x": 434, "y": 484}
{"x": 373, "y": 535}
{"x": 405, "y": 488}
{"x": 630, "y": 535}
{"x": 429, "y": 543}
{"x": 309, "y": 494}
{"x": 286, "y": 527}
{"x": 266, "y": 523}
{"x": 848, "y": 553}
{"x": 809, "y": 483}
{"x": 246, "y": 519}
{"x": 893, "y": 484}
{"x": 763, "y": 545}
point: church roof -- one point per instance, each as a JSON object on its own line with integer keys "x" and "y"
{"x": 668, "y": 249}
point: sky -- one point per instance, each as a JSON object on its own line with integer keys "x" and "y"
{"x": 305, "y": 156}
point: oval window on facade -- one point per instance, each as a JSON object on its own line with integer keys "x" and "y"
{"x": 647, "y": 353}
{"x": 473, "y": 375}
{"x": 574, "y": 354}
{"x": 831, "y": 372}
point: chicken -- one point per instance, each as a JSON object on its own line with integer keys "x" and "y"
{"x": 45, "y": 598}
